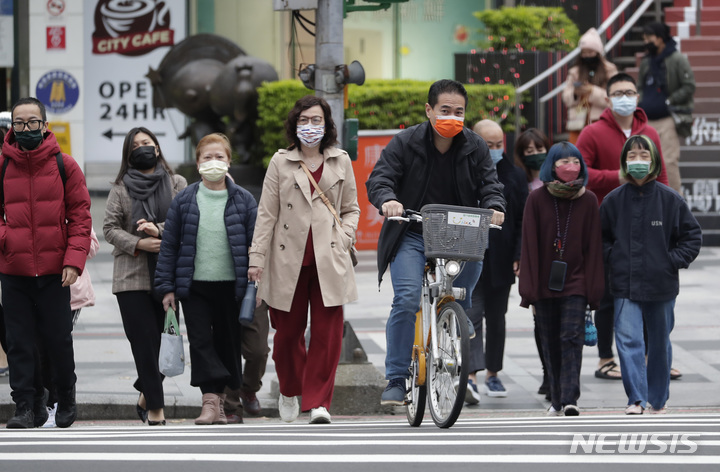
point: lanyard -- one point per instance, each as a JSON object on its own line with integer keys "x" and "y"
{"x": 560, "y": 242}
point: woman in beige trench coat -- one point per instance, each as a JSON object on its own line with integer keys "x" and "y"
{"x": 301, "y": 256}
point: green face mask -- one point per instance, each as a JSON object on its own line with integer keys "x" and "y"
{"x": 30, "y": 139}
{"x": 638, "y": 169}
{"x": 534, "y": 161}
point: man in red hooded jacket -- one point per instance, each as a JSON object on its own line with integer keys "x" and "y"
{"x": 601, "y": 144}
{"x": 45, "y": 228}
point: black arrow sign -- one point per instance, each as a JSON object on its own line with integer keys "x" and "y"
{"x": 109, "y": 134}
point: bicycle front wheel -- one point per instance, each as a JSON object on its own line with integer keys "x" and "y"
{"x": 447, "y": 375}
{"x": 415, "y": 407}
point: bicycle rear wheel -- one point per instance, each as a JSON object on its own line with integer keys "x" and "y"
{"x": 447, "y": 375}
{"x": 415, "y": 406}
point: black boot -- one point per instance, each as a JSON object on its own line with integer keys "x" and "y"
{"x": 67, "y": 409}
{"x": 40, "y": 408}
{"x": 23, "y": 419}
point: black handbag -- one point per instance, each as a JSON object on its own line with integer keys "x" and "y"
{"x": 683, "y": 119}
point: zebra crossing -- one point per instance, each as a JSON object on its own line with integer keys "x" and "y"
{"x": 667, "y": 443}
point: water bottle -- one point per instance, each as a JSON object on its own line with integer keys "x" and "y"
{"x": 247, "y": 308}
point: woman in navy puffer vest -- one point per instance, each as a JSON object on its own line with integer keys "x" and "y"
{"x": 203, "y": 263}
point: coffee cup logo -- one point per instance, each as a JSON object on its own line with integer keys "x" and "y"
{"x": 131, "y": 27}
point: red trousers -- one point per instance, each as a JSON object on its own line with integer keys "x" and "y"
{"x": 307, "y": 372}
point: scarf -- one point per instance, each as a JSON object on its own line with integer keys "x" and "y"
{"x": 564, "y": 189}
{"x": 150, "y": 194}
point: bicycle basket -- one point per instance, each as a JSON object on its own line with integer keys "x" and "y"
{"x": 455, "y": 232}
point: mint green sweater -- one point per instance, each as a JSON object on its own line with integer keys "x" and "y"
{"x": 213, "y": 259}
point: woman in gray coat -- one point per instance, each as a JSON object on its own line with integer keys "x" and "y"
{"x": 134, "y": 219}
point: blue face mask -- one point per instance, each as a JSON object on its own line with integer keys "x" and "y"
{"x": 624, "y": 106}
{"x": 496, "y": 155}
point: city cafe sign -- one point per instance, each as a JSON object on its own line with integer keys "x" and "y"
{"x": 131, "y": 27}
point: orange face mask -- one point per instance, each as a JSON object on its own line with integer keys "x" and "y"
{"x": 449, "y": 126}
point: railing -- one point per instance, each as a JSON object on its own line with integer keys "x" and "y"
{"x": 572, "y": 55}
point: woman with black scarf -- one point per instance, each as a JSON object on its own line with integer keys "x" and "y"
{"x": 134, "y": 219}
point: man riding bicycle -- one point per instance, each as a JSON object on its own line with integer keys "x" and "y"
{"x": 439, "y": 161}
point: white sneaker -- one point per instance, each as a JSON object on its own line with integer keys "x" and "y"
{"x": 553, "y": 412}
{"x": 288, "y": 408}
{"x": 319, "y": 415}
{"x": 50, "y": 423}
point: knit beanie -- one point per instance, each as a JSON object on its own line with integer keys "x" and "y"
{"x": 591, "y": 40}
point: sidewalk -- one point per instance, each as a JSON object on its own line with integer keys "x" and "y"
{"x": 106, "y": 371}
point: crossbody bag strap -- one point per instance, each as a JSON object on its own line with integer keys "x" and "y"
{"x": 322, "y": 195}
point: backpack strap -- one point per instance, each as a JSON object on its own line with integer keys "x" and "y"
{"x": 2, "y": 181}
{"x": 61, "y": 168}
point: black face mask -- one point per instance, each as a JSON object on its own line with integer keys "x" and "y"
{"x": 143, "y": 158}
{"x": 591, "y": 61}
{"x": 651, "y": 48}
{"x": 29, "y": 139}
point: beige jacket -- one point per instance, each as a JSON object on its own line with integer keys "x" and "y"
{"x": 130, "y": 271}
{"x": 285, "y": 215}
{"x": 596, "y": 99}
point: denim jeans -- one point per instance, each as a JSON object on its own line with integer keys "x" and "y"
{"x": 406, "y": 271}
{"x": 645, "y": 383}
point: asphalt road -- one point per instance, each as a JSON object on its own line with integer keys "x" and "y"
{"x": 588, "y": 443}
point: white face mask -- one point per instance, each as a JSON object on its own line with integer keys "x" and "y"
{"x": 310, "y": 135}
{"x": 213, "y": 170}
{"x": 624, "y": 106}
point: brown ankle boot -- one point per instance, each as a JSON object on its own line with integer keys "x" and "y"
{"x": 210, "y": 413}
{"x": 222, "y": 419}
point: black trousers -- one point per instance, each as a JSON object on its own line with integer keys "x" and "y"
{"x": 491, "y": 304}
{"x": 37, "y": 308}
{"x": 143, "y": 318}
{"x": 211, "y": 316}
{"x": 605, "y": 321}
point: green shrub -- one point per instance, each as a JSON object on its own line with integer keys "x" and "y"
{"x": 378, "y": 104}
{"x": 528, "y": 28}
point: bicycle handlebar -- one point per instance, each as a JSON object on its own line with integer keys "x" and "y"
{"x": 412, "y": 215}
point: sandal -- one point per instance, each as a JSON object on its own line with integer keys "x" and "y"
{"x": 609, "y": 371}
{"x": 675, "y": 374}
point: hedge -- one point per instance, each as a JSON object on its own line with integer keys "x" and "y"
{"x": 528, "y": 28}
{"x": 378, "y": 104}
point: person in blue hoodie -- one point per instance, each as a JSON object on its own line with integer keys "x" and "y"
{"x": 648, "y": 234}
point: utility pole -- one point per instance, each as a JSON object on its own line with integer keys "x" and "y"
{"x": 328, "y": 54}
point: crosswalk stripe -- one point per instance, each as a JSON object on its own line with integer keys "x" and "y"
{"x": 661, "y": 459}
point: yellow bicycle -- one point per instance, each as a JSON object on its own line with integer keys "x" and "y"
{"x": 453, "y": 235}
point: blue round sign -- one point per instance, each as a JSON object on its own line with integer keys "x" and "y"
{"x": 58, "y": 91}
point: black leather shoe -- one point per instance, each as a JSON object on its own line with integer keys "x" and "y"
{"x": 142, "y": 412}
{"x": 156, "y": 423}
{"x": 67, "y": 409}
{"x": 22, "y": 420}
{"x": 40, "y": 409}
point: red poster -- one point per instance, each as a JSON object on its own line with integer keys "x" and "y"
{"x": 369, "y": 149}
{"x": 55, "y": 38}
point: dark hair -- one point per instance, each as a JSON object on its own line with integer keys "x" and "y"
{"x": 127, "y": 150}
{"x": 619, "y": 77}
{"x": 309, "y": 101}
{"x": 31, "y": 101}
{"x": 559, "y": 151}
{"x": 643, "y": 142}
{"x": 596, "y": 76}
{"x": 2, "y": 137}
{"x": 534, "y": 136}
{"x": 446, "y": 86}
{"x": 661, "y": 30}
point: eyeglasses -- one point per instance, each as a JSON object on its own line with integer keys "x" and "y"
{"x": 316, "y": 120}
{"x": 627, "y": 93}
{"x": 32, "y": 125}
